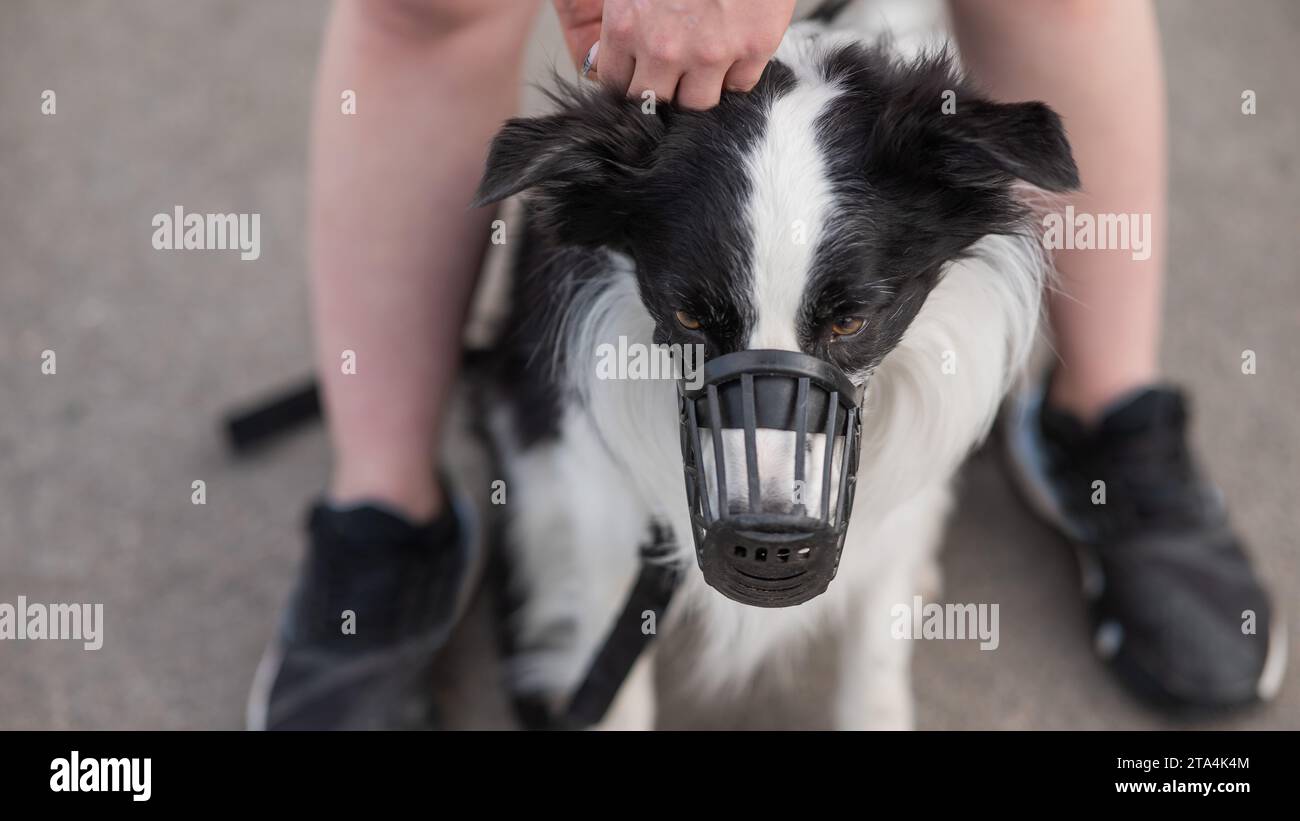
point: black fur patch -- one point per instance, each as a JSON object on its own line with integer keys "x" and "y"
{"x": 914, "y": 189}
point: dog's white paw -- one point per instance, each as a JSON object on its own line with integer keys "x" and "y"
{"x": 878, "y": 712}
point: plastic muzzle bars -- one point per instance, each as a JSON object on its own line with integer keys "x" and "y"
{"x": 773, "y": 536}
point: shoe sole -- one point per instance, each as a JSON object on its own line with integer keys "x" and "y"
{"x": 1025, "y": 465}
{"x": 259, "y": 692}
{"x": 257, "y": 706}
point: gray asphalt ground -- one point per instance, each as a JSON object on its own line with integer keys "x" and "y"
{"x": 205, "y": 103}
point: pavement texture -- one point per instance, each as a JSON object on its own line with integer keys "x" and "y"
{"x": 205, "y": 103}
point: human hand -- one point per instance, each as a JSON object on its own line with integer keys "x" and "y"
{"x": 688, "y": 51}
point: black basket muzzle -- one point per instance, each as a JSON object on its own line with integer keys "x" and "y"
{"x": 770, "y": 445}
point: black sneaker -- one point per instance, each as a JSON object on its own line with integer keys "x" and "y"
{"x": 375, "y": 602}
{"x": 1170, "y": 589}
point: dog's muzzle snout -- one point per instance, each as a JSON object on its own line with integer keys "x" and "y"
{"x": 770, "y": 443}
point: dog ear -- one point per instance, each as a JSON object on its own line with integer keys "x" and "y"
{"x": 989, "y": 141}
{"x": 974, "y": 144}
{"x": 580, "y": 165}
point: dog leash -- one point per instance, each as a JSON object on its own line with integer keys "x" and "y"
{"x": 261, "y": 422}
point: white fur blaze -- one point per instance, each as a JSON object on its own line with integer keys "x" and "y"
{"x": 790, "y": 200}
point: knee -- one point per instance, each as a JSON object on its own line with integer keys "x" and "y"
{"x": 1083, "y": 11}
{"x": 434, "y": 19}
{"x": 1056, "y": 12}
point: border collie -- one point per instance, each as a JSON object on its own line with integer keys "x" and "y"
{"x": 840, "y": 210}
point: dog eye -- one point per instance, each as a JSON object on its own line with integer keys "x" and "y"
{"x": 847, "y": 325}
{"x": 687, "y": 321}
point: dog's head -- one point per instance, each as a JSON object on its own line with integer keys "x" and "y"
{"x": 814, "y": 213}
{"x": 804, "y": 223}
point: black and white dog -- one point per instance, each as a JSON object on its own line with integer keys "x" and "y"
{"x": 841, "y": 211}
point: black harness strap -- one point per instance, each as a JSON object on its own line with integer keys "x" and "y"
{"x": 628, "y": 638}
